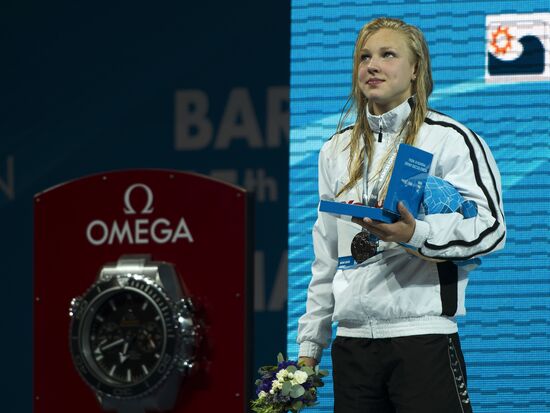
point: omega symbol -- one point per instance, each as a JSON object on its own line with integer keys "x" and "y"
{"x": 129, "y": 209}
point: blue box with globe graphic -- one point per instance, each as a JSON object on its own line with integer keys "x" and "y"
{"x": 407, "y": 184}
{"x": 408, "y": 179}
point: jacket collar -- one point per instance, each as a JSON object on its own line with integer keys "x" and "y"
{"x": 392, "y": 121}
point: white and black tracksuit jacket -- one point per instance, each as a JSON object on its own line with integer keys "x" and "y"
{"x": 395, "y": 293}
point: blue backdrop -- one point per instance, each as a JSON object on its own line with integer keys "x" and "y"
{"x": 88, "y": 87}
{"x": 482, "y": 79}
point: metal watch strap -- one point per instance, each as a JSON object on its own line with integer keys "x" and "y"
{"x": 131, "y": 264}
{"x": 160, "y": 272}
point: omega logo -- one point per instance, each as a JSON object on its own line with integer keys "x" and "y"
{"x": 138, "y": 230}
{"x": 147, "y": 209}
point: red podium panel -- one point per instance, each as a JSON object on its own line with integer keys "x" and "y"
{"x": 200, "y": 225}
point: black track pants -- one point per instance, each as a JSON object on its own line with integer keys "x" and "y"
{"x": 414, "y": 374}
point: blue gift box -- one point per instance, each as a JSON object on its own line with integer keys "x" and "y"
{"x": 407, "y": 184}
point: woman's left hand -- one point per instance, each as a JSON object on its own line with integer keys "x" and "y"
{"x": 400, "y": 231}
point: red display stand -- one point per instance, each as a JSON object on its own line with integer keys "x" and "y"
{"x": 200, "y": 225}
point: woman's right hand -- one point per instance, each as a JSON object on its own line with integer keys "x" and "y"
{"x": 307, "y": 361}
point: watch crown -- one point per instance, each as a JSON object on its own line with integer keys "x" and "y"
{"x": 74, "y": 306}
{"x": 186, "y": 366}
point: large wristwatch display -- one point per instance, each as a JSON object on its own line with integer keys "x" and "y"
{"x": 133, "y": 335}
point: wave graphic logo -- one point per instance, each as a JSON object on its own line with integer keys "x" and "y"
{"x": 517, "y": 48}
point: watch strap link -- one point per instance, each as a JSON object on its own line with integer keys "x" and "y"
{"x": 131, "y": 264}
{"x": 160, "y": 272}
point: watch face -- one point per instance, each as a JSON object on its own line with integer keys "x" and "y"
{"x": 126, "y": 336}
{"x": 123, "y": 338}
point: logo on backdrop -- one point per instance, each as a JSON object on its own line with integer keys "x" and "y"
{"x": 134, "y": 230}
{"x": 129, "y": 209}
{"x": 517, "y": 48}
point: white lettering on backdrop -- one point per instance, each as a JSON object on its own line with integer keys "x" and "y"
{"x": 138, "y": 230}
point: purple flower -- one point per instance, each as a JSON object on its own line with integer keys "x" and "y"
{"x": 284, "y": 364}
{"x": 265, "y": 385}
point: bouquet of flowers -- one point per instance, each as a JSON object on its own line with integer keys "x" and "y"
{"x": 288, "y": 386}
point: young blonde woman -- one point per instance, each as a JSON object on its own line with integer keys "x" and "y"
{"x": 397, "y": 347}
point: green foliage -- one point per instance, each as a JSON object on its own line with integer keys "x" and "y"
{"x": 287, "y": 387}
{"x": 296, "y": 391}
{"x": 266, "y": 370}
{"x": 320, "y": 372}
{"x": 262, "y": 406}
{"x": 297, "y": 405}
{"x": 291, "y": 369}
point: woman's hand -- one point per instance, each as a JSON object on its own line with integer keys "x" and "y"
{"x": 400, "y": 231}
{"x": 307, "y": 361}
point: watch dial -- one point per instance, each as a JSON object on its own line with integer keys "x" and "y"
{"x": 127, "y": 336}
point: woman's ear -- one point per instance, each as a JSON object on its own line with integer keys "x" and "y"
{"x": 415, "y": 71}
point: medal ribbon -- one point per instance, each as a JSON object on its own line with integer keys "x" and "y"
{"x": 365, "y": 244}
{"x": 373, "y": 198}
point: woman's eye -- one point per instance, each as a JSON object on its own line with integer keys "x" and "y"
{"x": 365, "y": 57}
{"x": 389, "y": 54}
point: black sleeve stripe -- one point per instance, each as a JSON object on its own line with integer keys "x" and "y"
{"x": 490, "y": 171}
{"x": 341, "y": 131}
{"x": 492, "y": 247}
{"x": 479, "y": 182}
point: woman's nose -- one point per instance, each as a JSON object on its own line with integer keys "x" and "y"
{"x": 372, "y": 65}
{"x": 372, "y": 69}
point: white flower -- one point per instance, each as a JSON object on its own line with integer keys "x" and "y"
{"x": 282, "y": 374}
{"x": 262, "y": 394}
{"x": 276, "y": 384}
{"x": 300, "y": 377}
{"x": 290, "y": 376}
{"x": 271, "y": 391}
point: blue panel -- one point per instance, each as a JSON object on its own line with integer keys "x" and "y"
{"x": 506, "y": 333}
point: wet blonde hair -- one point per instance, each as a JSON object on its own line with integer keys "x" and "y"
{"x": 357, "y": 102}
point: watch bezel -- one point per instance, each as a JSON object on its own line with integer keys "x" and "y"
{"x": 88, "y": 306}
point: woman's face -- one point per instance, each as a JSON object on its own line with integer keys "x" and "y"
{"x": 386, "y": 70}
